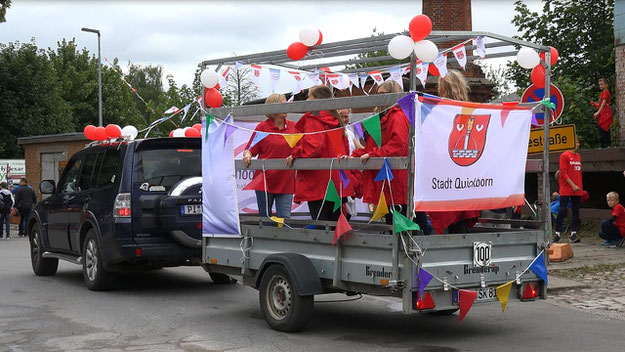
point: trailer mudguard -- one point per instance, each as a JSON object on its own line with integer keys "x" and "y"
{"x": 299, "y": 267}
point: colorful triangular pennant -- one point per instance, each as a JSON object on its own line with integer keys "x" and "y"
{"x": 424, "y": 279}
{"x": 344, "y": 179}
{"x": 538, "y": 267}
{"x": 333, "y": 196}
{"x": 503, "y": 293}
{"x": 402, "y": 223}
{"x": 336, "y": 139}
{"x": 372, "y": 125}
{"x": 292, "y": 139}
{"x": 342, "y": 227}
{"x": 385, "y": 172}
{"x": 381, "y": 209}
{"x": 407, "y": 106}
{"x": 258, "y": 136}
{"x": 465, "y": 301}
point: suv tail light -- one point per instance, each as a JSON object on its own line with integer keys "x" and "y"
{"x": 121, "y": 207}
{"x": 530, "y": 292}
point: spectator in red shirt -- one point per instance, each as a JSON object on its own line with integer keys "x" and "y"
{"x": 570, "y": 181}
{"x": 311, "y": 185}
{"x": 613, "y": 229}
{"x": 280, "y": 183}
{"x": 604, "y": 113}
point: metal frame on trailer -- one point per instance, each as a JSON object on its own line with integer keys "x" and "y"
{"x": 375, "y": 43}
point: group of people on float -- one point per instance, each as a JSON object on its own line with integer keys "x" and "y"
{"x": 282, "y": 187}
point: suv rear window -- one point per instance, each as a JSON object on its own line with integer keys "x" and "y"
{"x": 165, "y": 167}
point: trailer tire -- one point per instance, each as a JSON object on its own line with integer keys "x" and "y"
{"x": 282, "y": 307}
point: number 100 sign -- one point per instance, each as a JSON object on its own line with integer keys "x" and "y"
{"x": 481, "y": 253}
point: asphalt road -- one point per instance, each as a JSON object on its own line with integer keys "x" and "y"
{"x": 180, "y": 309}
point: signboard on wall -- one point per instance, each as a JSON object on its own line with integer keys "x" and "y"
{"x": 11, "y": 170}
{"x": 561, "y": 138}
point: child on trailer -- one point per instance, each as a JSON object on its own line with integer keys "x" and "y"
{"x": 613, "y": 229}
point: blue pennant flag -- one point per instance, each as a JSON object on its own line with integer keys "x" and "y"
{"x": 407, "y": 105}
{"x": 344, "y": 179}
{"x": 385, "y": 172}
{"x": 421, "y": 278}
{"x": 258, "y": 136}
{"x": 538, "y": 267}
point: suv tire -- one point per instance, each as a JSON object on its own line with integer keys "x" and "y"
{"x": 41, "y": 266}
{"x": 282, "y": 307}
{"x": 96, "y": 278}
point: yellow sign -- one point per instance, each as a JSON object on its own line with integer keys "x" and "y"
{"x": 560, "y": 138}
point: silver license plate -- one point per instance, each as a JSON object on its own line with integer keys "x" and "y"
{"x": 486, "y": 294}
{"x": 191, "y": 209}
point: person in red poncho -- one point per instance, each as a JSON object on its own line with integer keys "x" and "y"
{"x": 604, "y": 114}
{"x": 570, "y": 181}
{"x": 280, "y": 183}
{"x": 453, "y": 86}
{"x": 311, "y": 185}
{"x": 395, "y": 130}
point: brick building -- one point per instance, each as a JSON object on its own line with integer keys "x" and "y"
{"x": 47, "y": 155}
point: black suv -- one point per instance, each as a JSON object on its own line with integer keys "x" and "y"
{"x": 122, "y": 206}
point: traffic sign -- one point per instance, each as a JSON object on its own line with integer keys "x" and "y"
{"x": 535, "y": 94}
{"x": 560, "y": 138}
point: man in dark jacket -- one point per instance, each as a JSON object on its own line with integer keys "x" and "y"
{"x": 25, "y": 199}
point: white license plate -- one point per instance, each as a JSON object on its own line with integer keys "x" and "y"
{"x": 486, "y": 294}
{"x": 191, "y": 209}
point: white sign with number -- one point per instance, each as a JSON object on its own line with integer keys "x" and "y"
{"x": 481, "y": 253}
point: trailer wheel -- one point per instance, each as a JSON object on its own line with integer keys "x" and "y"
{"x": 282, "y": 307}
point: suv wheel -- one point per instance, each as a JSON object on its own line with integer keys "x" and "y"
{"x": 96, "y": 278}
{"x": 41, "y": 266}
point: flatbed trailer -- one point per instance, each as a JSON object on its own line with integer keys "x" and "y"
{"x": 291, "y": 264}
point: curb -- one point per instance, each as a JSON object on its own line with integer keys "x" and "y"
{"x": 558, "y": 284}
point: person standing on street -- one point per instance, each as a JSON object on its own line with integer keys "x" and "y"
{"x": 25, "y": 199}
{"x": 6, "y": 203}
{"x": 570, "y": 190}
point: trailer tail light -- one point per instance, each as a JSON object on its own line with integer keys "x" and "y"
{"x": 530, "y": 292}
{"x": 426, "y": 302}
{"x": 138, "y": 252}
{"x": 121, "y": 206}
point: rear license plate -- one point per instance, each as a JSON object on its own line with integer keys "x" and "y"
{"x": 191, "y": 209}
{"x": 485, "y": 294}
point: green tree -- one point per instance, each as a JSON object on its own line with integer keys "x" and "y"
{"x": 583, "y": 33}
{"x": 148, "y": 81}
{"x": 241, "y": 88}
{"x": 31, "y": 97}
{"x": 4, "y": 5}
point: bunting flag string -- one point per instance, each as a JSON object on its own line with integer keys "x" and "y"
{"x": 503, "y": 293}
{"x": 342, "y": 228}
{"x": 381, "y": 209}
{"x": 372, "y": 125}
{"x": 333, "y": 196}
{"x": 258, "y": 136}
{"x": 385, "y": 172}
{"x": 344, "y": 179}
{"x": 292, "y": 139}
{"x": 465, "y": 302}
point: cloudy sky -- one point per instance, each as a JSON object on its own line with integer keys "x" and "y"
{"x": 180, "y": 34}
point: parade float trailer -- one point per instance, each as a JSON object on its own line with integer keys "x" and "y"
{"x": 289, "y": 262}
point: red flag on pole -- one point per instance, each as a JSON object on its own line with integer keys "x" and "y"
{"x": 342, "y": 227}
{"x": 465, "y": 301}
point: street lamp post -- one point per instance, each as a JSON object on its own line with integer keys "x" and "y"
{"x": 96, "y": 31}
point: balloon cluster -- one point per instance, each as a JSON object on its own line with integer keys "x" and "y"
{"x": 111, "y": 131}
{"x": 401, "y": 46}
{"x": 195, "y": 131}
{"x": 210, "y": 80}
{"x": 528, "y": 58}
{"x": 308, "y": 37}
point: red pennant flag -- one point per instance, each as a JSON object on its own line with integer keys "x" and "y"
{"x": 465, "y": 301}
{"x": 336, "y": 138}
{"x": 342, "y": 227}
{"x": 256, "y": 184}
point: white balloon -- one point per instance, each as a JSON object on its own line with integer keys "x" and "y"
{"x": 209, "y": 78}
{"x": 425, "y": 50}
{"x": 527, "y": 58}
{"x": 130, "y": 132}
{"x": 400, "y": 47}
{"x": 178, "y": 132}
{"x": 309, "y": 36}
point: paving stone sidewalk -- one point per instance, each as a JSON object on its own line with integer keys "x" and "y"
{"x": 593, "y": 280}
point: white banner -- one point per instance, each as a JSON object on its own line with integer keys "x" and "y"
{"x": 469, "y": 156}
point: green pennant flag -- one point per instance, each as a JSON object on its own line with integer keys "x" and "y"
{"x": 333, "y": 196}
{"x": 209, "y": 119}
{"x": 402, "y": 223}
{"x": 372, "y": 125}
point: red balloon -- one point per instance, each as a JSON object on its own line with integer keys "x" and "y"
{"x": 433, "y": 70}
{"x": 89, "y": 132}
{"x": 296, "y": 51}
{"x": 198, "y": 126}
{"x": 213, "y": 98}
{"x": 538, "y": 76}
{"x": 320, "y": 38}
{"x": 100, "y": 133}
{"x": 554, "y": 55}
{"x": 420, "y": 27}
{"x": 192, "y": 132}
{"x": 113, "y": 131}
{"x": 171, "y": 133}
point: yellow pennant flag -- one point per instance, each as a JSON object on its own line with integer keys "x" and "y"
{"x": 381, "y": 209}
{"x": 503, "y": 293}
{"x": 292, "y": 139}
{"x": 280, "y": 221}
